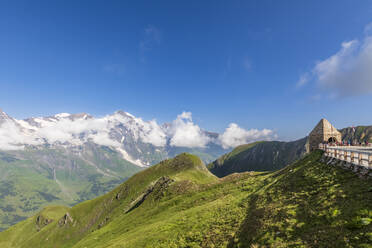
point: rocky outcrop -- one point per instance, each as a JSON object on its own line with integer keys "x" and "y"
{"x": 42, "y": 221}
{"x": 156, "y": 190}
{"x": 66, "y": 219}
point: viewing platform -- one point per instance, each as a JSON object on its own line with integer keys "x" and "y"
{"x": 357, "y": 155}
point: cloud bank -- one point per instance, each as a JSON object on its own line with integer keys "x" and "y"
{"x": 235, "y": 136}
{"x": 114, "y": 130}
{"x": 348, "y": 72}
{"x": 185, "y": 133}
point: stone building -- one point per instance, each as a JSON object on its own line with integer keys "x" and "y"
{"x": 323, "y": 132}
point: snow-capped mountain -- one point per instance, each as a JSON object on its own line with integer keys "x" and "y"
{"x": 68, "y": 158}
{"x": 140, "y": 142}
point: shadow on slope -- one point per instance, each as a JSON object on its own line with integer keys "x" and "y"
{"x": 309, "y": 204}
{"x": 259, "y": 156}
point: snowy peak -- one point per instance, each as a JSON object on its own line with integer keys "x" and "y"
{"x": 83, "y": 116}
{"x": 139, "y": 141}
{"x": 62, "y": 115}
{"x": 4, "y": 116}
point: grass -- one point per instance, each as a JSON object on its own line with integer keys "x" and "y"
{"x": 307, "y": 204}
{"x": 27, "y": 180}
{"x": 310, "y": 204}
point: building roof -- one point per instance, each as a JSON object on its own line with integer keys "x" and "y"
{"x": 324, "y": 126}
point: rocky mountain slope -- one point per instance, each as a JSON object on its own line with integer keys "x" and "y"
{"x": 357, "y": 134}
{"x": 178, "y": 203}
{"x": 273, "y": 155}
{"x": 259, "y": 156}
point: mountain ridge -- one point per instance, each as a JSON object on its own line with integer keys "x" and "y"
{"x": 274, "y": 155}
{"x": 164, "y": 207}
{"x": 140, "y": 142}
{"x": 259, "y": 156}
{"x": 69, "y": 158}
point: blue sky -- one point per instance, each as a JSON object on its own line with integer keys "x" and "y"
{"x": 224, "y": 61}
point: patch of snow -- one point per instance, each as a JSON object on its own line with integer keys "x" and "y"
{"x": 26, "y": 125}
{"x": 126, "y": 156}
{"x": 62, "y": 115}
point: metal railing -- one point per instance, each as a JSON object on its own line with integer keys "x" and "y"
{"x": 358, "y": 155}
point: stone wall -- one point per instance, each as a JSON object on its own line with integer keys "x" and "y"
{"x": 322, "y": 132}
{"x": 361, "y": 171}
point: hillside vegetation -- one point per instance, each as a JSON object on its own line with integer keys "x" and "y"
{"x": 66, "y": 158}
{"x": 34, "y": 178}
{"x": 178, "y": 203}
{"x": 259, "y": 156}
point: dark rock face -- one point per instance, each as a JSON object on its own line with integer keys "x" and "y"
{"x": 41, "y": 222}
{"x": 66, "y": 219}
{"x": 156, "y": 191}
{"x": 358, "y": 134}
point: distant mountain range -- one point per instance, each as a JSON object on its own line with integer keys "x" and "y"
{"x": 69, "y": 158}
{"x": 140, "y": 142}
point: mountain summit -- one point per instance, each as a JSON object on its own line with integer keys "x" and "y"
{"x": 141, "y": 142}
{"x": 68, "y": 158}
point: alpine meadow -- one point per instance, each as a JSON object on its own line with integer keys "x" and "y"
{"x": 185, "y": 124}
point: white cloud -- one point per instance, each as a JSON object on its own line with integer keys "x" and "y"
{"x": 304, "y": 79}
{"x": 348, "y": 72}
{"x": 103, "y": 138}
{"x": 112, "y": 130}
{"x": 368, "y": 29}
{"x": 185, "y": 133}
{"x": 152, "y": 133}
{"x": 148, "y": 131}
{"x": 235, "y": 136}
{"x": 11, "y": 138}
{"x": 67, "y": 130}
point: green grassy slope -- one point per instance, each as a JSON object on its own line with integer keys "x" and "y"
{"x": 178, "y": 203}
{"x": 259, "y": 156}
{"x": 274, "y": 155}
{"x": 310, "y": 204}
{"x": 33, "y": 178}
{"x": 22, "y": 231}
